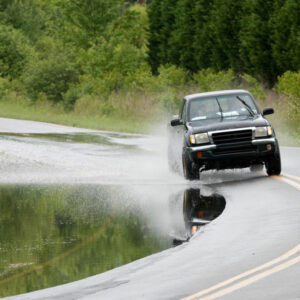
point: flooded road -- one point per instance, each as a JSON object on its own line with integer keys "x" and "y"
{"x": 76, "y": 203}
{"x": 80, "y": 158}
{"x": 52, "y": 235}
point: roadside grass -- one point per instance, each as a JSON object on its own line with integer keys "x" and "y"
{"x": 286, "y": 125}
{"x": 55, "y": 114}
{"x": 139, "y": 118}
{"x": 287, "y": 131}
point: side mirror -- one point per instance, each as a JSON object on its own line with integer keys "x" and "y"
{"x": 176, "y": 122}
{"x": 268, "y": 111}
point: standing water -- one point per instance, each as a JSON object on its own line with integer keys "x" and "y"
{"x": 77, "y": 204}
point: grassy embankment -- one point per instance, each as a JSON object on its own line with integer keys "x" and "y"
{"x": 140, "y": 112}
{"x": 58, "y": 66}
{"x": 56, "y": 115}
{"x": 287, "y": 130}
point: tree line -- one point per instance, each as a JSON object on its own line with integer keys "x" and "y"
{"x": 100, "y": 57}
{"x": 258, "y": 37}
{"x": 62, "y": 50}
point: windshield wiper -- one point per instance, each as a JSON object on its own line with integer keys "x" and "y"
{"x": 246, "y": 105}
{"x": 221, "y": 110}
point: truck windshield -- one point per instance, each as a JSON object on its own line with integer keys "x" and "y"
{"x": 224, "y": 106}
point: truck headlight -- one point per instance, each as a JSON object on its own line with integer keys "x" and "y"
{"x": 199, "y": 138}
{"x": 263, "y": 131}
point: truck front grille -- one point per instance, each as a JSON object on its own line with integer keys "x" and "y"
{"x": 232, "y": 136}
{"x": 233, "y": 150}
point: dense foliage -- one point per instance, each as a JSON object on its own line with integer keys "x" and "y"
{"x": 257, "y": 37}
{"x": 61, "y": 51}
{"x": 99, "y": 57}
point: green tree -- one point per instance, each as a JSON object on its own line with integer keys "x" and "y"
{"x": 169, "y": 52}
{"x": 51, "y": 71}
{"x": 91, "y": 17}
{"x": 27, "y": 16}
{"x": 224, "y": 28}
{"x": 14, "y": 51}
{"x": 255, "y": 40}
{"x": 120, "y": 53}
{"x": 209, "y": 80}
{"x": 285, "y": 25}
{"x": 185, "y": 31}
{"x": 203, "y": 42}
{"x": 4, "y": 4}
{"x": 288, "y": 85}
{"x": 155, "y": 25}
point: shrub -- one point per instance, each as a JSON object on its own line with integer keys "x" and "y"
{"x": 255, "y": 87}
{"x": 169, "y": 102}
{"x": 209, "y": 80}
{"x": 114, "y": 58}
{"x": 51, "y": 71}
{"x": 71, "y": 96}
{"x": 88, "y": 105}
{"x": 5, "y": 86}
{"x": 51, "y": 76}
{"x": 10, "y": 89}
{"x": 172, "y": 76}
{"x": 93, "y": 105}
{"x": 14, "y": 51}
{"x": 107, "y": 108}
{"x": 289, "y": 85}
{"x": 141, "y": 80}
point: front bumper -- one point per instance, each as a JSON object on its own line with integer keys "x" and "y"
{"x": 254, "y": 150}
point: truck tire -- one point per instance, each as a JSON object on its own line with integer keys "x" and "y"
{"x": 190, "y": 171}
{"x": 273, "y": 165}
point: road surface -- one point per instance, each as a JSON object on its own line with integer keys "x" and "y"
{"x": 252, "y": 251}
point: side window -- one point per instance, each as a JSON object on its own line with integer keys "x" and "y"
{"x": 182, "y": 114}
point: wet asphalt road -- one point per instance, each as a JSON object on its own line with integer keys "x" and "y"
{"x": 261, "y": 220}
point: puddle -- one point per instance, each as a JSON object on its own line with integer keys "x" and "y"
{"x": 51, "y": 235}
{"x": 57, "y": 234}
{"x": 85, "y": 138}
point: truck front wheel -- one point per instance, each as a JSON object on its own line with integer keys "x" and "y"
{"x": 273, "y": 165}
{"x": 190, "y": 171}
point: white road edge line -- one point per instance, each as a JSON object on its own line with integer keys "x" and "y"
{"x": 245, "y": 274}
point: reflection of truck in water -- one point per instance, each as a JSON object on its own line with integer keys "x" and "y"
{"x": 196, "y": 211}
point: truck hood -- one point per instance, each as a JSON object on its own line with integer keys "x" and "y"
{"x": 227, "y": 123}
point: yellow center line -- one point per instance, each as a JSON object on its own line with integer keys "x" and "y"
{"x": 245, "y": 274}
{"x": 288, "y": 181}
{"x": 264, "y": 273}
{"x": 291, "y": 176}
{"x": 252, "y": 279}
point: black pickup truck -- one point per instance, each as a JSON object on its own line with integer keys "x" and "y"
{"x": 222, "y": 130}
